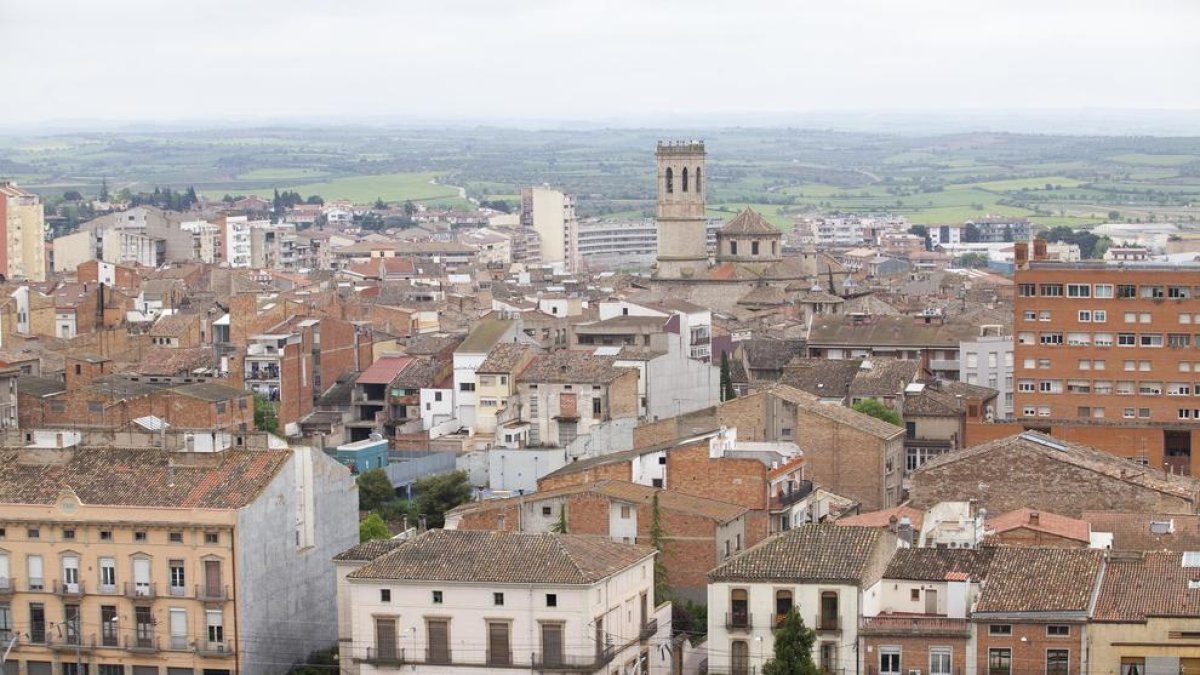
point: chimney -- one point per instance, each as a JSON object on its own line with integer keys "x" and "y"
{"x": 905, "y": 530}
{"x": 1039, "y": 249}
{"x": 1020, "y": 255}
{"x": 1034, "y": 518}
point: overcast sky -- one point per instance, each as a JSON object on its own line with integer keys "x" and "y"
{"x": 216, "y": 60}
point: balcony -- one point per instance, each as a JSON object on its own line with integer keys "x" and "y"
{"x": 141, "y": 644}
{"x": 738, "y": 621}
{"x": 71, "y": 642}
{"x": 217, "y": 593}
{"x": 35, "y": 585}
{"x": 782, "y": 501}
{"x": 873, "y": 669}
{"x": 7, "y": 586}
{"x": 829, "y": 624}
{"x": 593, "y": 662}
{"x": 915, "y": 626}
{"x": 139, "y": 591}
{"x": 943, "y": 364}
{"x": 384, "y": 657}
{"x": 649, "y": 628}
{"x": 205, "y": 647}
{"x": 177, "y": 591}
{"x": 108, "y": 589}
{"x": 65, "y": 589}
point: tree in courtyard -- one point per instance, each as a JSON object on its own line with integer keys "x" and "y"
{"x": 265, "y": 417}
{"x": 560, "y": 527}
{"x": 438, "y": 494}
{"x": 374, "y": 490}
{"x": 373, "y": 527}
{"x": 662, "y": 591}
{"x": 869, "y": 406}
{"x": 793, "y": 648}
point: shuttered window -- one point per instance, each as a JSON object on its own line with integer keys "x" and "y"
{"x": 385, "y": 639}
{"x": 439, "y": 640}
{"x": 552, "y": 644}
{"x": 499, "y": 648}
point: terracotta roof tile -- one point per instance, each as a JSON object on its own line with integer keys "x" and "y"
{"x": 940, "y": 564}
{"x": 1040, "y": 580}
{"x": 1049, "y": 523}
{"x": 1138, "y": 586}
{"x": 808, "y": 553}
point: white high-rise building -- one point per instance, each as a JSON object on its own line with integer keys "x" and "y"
{"x": 551, "y": 214}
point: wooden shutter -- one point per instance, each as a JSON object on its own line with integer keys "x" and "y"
{"x": 499, "y": 650}
{"x": 552, "y": 644}
{"x": 439, "y": 641}
{"x": 385, "y": 639}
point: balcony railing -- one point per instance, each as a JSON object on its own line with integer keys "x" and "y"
{"x": 873, "y": 669}
{"x": 543, "y": 661}
{"x": 915, "y": 626}
{"x": 385, "y": 656}
{"x": 6, "y": 585}
{"x": 207, "y": 593}
{"x": 35, "y": 585}
{"x": 141, "y": 644}
{"x": 140, "y": 591}
{"x": 804, "y": 489}
{"x": 108, "y": 589}
{"x": 827, "y": 622}
{"x": 71, "y": 642}
{"x": 649, "y": 628}
{"x": 63, "y": 588}
{"x": 738, "y": 621}
{"x": 205, "y": 647}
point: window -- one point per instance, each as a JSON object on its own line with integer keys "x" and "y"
{"x": 1144, "y": 317}
{"x": 739, "y": 608}
{"x": 1144, "y": 413}
{"x": 1150, "y": 388}
{"x": 37, "y": 623}
{"x": 1085, "y": 316}
{"x": 1151, "y": 339}
{"x": 889, "y": 661}
{"x": 914, "y": 594}
{"x": 1179, "y": 389}
{"x": 1044, "y": 315}
{"x": 1025, "y": 385}
{"x": 1051, "y": 338}
{"x": 466, "y": 386}
{"x": 1102, "y": 339}
{"x": 1128, "y": 413}
{"x": 1102, "y": 290}
{"x": 499, "y": 649}
{"x": 1050, "y": 290}
{"x": 1058, "y": 630}
{"x": 754, "y": 248}
{"x": 216, "y": 628}
{"x": 1185, "y": 318}
{"x": 1178, "y": 292}
{"x": 1124, "y": 388}
{"x": 1029, "y": 315}
{"x": 1000, "y": 629}
{"x": 438, "y": 632}
{"x": 1024, "y": 338}
{"x": 1130, "y": 365}
{"x": 35, "y": 572}
{"x": 108, "y": 575}
{"x": 684, "y": 179}
{"x": 1099, "y": 316}
{"x": 1057, "y": 661}
{"x": 1126, "y": 339}
{"x": 33, "y": 533}
{"x": 596, "y": 407}
{"x": 670, "y": 180}
{"x": 385, "y": 638}
{"x": 1130, "y": 317}
{"x": 1026, "y": 290}
{"x": 1133, "y": 666}
{"x": 95, "y": 407}
{"x": 498, "y": 599}
{"x": 625, "y": 511}
{"x": 1079, "y": 290}
{"x": 733, "y": 248}
{"x": 552, "y": 600}
{"x": 1050, "y": 386}
{"x": 1126, "y": 291}
{"x": 6, "y": 625}
{"x": 178, "y": 578}
{"x": 385, "y": 595}
{"x": 108, "y": 625}
{"x": 552, "y": 644}
{"x": 143, "y": 627}
{"x": 105, "y": 535}
{"x": 437, "y": 597}
{"x": 211, "y": 538}
{"x": 999, "y": 662}
{"x": 139, "y": 536}
{"x": 175, "y": 537}
{"x": 1151, "y": 292}
{"x": 177, "y": 625}
{"x": 1102, "y": 386}
{"x": 1079, "y": 339}
{"x": 1178, "y": 340}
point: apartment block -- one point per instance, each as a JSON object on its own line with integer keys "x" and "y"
{"x": 142, "y": 561}
{"x": 1100, "y": 345}
{"x": 23, "y": 229}
{"x": 551, "y": 214}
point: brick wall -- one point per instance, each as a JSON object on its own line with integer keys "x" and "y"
{"x": 914, "y": 652}
{"x": 737, "y": 481}
{"x": 1028, "y": 656}
{"x": 615, "y": 470}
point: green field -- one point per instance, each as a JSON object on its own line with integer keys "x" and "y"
{"x": 1018, "y": 184}
{"x": 282, "y": 174}
{"x": 390, "y": 187}
{"x": 1142, "y": 158}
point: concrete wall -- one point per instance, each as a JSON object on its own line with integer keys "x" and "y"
{"x": 286, "y": 591}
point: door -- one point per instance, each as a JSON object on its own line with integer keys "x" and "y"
{"x": 37, "y": 580}
{"x": 212, "y": 578}
{"x": 141, "y": 576}
{"x": 385, "y": 639}
{"x": 108, "y": 575}
{"x": 499, "y": 648}
{"x": 71, "y": 573}
{"x": 739, "y": 658}
{"x": 5, "y": 573}
{"x": 931, "y": 604}
{"x": 178, "y": 626}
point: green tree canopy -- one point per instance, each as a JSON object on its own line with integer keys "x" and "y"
{"x": 438, "y": 494}
{"x": 869, "y": 406}
{"x": 373, "y": 527}
{"x": 374, "y": 489}
{"x": 793, "y": 648}
{"x": 265, "y": 417}
{"x": 728, "y": 393}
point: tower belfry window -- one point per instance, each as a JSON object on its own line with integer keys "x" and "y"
{"x": 684, "y": 181}
{"x": 670, "y": 180}
{"x": 697, "y": 179}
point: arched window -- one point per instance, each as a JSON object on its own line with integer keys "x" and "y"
{"x": 670, "y": 180}
{"x": 697, "y": 179}
{"x": 685, "y": 179}
{"x": 783, "y": 605}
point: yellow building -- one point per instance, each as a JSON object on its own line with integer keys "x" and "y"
{"x": 496, "y": 382}
{"x": 23, "y": 227}
{"x": 119, "y": 561}
{"x": 1147, "y": 615}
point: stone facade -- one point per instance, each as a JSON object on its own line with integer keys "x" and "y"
{"x": 682, "y": 235}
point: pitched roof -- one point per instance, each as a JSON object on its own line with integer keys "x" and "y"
{"x": 484, "y": 335}
{"x": 503, "y": 358}
{"x": 566, "y": 367}
{"x": 41, "y": 387}
{"x": 1049, "y": 523}
{"x": 883, "y": 517}
{"x": 1184, "y": 487}
{"x": 750, "y": 222}
{"x": 1040, "y": 580}
{"x": 369, "y": 550}
{"x": 174, "y": 325}
{"x": 1138, "y": 586}
{"x": 431, "y": 343}
{"x": 840, "y": 329}
{"x": 824, "y": 378}
{"x": 771, "y": 354}
{"x": 810, "y": 404}
{"x": 620, "y": 490}
{"x": 210, "y": 391}
{"x": 1147, "y": 531}
{"x": 384, "y": 370}
{"x": 504, "y": 558}
{"x": 939, "y": 564}
{"x": 809, "y": 553}
{"x": 420, "y": 374}
{"x": 138, "y": 476}
{"x": 884, "y": 377}
{"x": 174, "y": 360}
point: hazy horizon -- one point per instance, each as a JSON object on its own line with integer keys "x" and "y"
{"x": 669, "y": 64}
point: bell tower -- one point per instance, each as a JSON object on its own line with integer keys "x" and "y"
{"x": 682, "y": 239}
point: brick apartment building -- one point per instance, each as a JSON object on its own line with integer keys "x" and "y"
{"x": 1110, "y": 356}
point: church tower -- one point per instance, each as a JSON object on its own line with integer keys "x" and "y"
{"x": 682, "y": 239}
